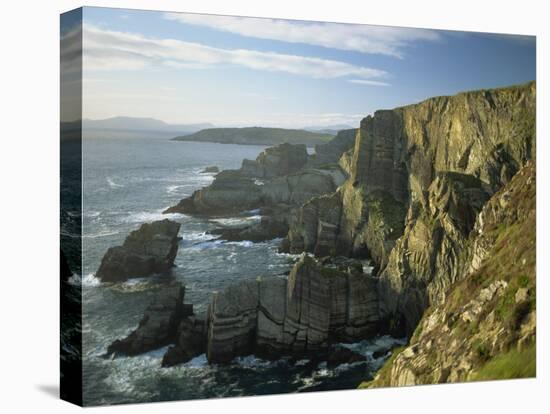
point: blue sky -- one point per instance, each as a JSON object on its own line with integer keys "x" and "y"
{"x": 230, "y": 71}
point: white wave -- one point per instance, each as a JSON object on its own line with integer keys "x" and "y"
{"x": 91, "y": 214}
{"x": 197, "y": 362}
{"x": 236, "y": 221}
{"x": 199, "y": 236}
{"x": 89, "y": 280}
{"x": 244, "y": 243}
{"x": 251, "y": 361}
{"x": 113, "y": 184}
{"x": 258, "y": 182}
{"x": 176, "y": 189}
{"x": 205, "y": 245}
{"x": 148, "y": 216}
{"x": 100, "y": 234}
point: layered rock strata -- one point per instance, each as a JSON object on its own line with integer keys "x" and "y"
{"x": 486, "y": 327}
{"x": 303, "y": 315}
{"x": 419, "y": 175}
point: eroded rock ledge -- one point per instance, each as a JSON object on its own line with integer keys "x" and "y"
{"x": 148, "y": 250}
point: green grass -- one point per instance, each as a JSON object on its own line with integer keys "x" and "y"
{"x": 512, "y": 364}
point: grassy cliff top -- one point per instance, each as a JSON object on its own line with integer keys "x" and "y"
{"x": 257, "y": 136}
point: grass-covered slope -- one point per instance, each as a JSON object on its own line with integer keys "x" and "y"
{"x": 486, "y": 327}
{"x": 257, "y": 136}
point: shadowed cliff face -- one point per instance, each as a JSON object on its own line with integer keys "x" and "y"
{"x": 419, "y": 175}
{"x": 486, "y": 327}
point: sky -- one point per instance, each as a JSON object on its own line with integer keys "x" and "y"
{"x": 240, "y": 71}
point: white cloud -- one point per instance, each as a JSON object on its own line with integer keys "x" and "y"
{"x": 115, "y": 50}
{"x": 369, "y": 82}
{"x": 382, "y": 40}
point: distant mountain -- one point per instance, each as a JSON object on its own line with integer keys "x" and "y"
{"x": 130, "y": 126}
{"x": 329, "y": 129}
{"x": 257, "y": 136}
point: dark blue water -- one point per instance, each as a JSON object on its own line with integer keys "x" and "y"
{"x": 128, "y": 182}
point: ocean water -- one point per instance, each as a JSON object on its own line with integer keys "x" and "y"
{"x": 128, "y": 182}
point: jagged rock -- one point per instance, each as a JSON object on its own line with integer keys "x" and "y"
{"x": 150, "y": 249}
{"x": 280, "y": 160}
{"x": 272, "y": 317}
{"x": 210, "y": 169}
{"x": 231, "y": 192}
{"x": 159, "y": 324}
{"x": 232, "y": 322}
{"x": 190, "y": 342}
{"x": 429, "y": 167}
{"x": 480, "y": 321}
{"x": 295, "y": 189}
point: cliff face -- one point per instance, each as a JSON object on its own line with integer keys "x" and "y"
{"x": 485, "y": 329}
{"x": 419, "y": 175}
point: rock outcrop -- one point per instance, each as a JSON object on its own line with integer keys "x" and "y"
{"x": 159, "y": 324}
{"x": 317, "y": 306}
{"x": 485, "y": 329}
{"x": 231, "y": 192}
{"x": 150, "y": 249}
{"x": 419, "y": 175}
{"x": 190, "y": 341}
{"x": 276, "y": 161}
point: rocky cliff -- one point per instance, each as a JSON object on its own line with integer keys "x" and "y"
{"x": 419, "y": 175}
{"x": 485, "y": 329}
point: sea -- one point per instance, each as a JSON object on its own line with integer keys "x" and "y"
{"x": 130, "y": 181}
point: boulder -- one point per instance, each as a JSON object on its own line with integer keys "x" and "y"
{"x": 159, "y": 325}
{"x": 150, "y": 249}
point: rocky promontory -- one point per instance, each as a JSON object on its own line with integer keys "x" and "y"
{"x": 148, "y": 250}
{"x": 276, "y": 182}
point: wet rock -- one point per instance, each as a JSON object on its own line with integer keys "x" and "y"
{"x": 190, "y": 342}
{"x": 340, "y": 355}
{"x": 232, "y": 322}
{"x": 303, "y": 315}
{"x": 159, "y": 324}
{"x": 150, "y": 249}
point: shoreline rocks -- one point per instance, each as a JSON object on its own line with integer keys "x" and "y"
{"x": 158, "y": 326}
{"x": 316, "y": 307}
{"x": 150, "y": 249}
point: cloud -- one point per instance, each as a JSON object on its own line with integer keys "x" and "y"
{"x": 115, "y": 50}
{"x": 384, "y": 40}
{"x": 369, "y": 82}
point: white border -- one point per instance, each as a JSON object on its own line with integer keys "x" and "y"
{"x": 30, "y": 201}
